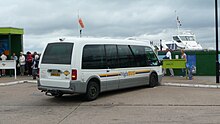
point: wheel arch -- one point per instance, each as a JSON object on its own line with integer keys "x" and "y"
{"x": 152, "y": 84}
{"x": 153, "y": 72}
{"x": 95, "y": 79}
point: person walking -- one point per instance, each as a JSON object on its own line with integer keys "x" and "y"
{"x": 29, "y": 63}
{"x": 22, "y": 63}
{"x": 168, "y": 56}
{"x": 35, "y": 65}
{"x": 183, "y": 56}
{"x": 3, "y": 58}
{"x": 36, "y": 55}
{"x": 14, "y": 57}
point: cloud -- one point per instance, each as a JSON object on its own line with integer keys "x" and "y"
{"x": 155, "y": 20}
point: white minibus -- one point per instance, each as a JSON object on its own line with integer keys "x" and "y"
{"x": 90, "y": 66}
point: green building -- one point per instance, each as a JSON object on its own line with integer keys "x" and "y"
{"x": 11, "y": 40}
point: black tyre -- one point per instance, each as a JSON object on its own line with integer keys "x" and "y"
{"x": 93, "y": 91}
{"x": 153, "y": 81}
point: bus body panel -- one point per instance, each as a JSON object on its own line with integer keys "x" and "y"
{"x": 55, "y": 75}
{"x": 58, "y": 77}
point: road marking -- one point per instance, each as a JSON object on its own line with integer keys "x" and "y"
{"x": 18, "y": 82}
{"x": 191, "y": 85}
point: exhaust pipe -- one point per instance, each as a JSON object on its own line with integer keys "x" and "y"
{"x": 48, "y": 93}
{"x": 55, "y": 93}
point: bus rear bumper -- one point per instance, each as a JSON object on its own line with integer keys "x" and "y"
{"x": 75, "y": 87}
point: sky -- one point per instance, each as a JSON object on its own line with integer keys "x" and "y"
{"x": 46, "y": 20}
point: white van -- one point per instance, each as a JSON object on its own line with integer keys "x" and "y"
{"x": 91, "y": 66}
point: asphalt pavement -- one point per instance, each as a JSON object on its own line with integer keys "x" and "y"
{"x": 24, "y": 103}
{"x": 197, "y": 81}
{"x": 10, "y": 80}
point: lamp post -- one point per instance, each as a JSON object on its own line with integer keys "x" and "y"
{"x": 216, "y": 28}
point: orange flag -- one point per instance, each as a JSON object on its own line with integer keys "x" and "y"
{"x": 81, "y": 23}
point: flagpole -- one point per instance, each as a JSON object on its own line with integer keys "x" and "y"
{"x": 81, "y": 25}
{"x": 80, "y": 33}
{"x": 177, "y": 23}
{"x": 79, "y": 29}
{"x": 216, "y": 31}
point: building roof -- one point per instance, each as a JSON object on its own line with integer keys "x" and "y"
{"x": 11, "y": 30}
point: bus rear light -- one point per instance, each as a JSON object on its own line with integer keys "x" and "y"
{"x": 74, "y": 74}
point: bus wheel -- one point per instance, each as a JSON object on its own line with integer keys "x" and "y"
{"x": 93, "y": 91}
{"x": 153, "y": 81}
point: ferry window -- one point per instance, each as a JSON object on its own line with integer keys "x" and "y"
{"x": 187, "y": 38}
{"x": 184, "y": 38}
{"x": 191, "y": 38}
{"x": 111, "y": 56}
{"x": 93, "y": 57}
{"x": 140, "y": 55}
{"x": 151, "y": 57}
{"x": 126, "y": 58}
{"x": 176, "y": 39}
{"x": 58, "y": 53}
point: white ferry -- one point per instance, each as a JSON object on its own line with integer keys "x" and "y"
{"x": 183, "y": 40}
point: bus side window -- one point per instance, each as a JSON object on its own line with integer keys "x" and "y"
{"x": 111, "y": 56}
{"x": 151, "y": 57}
{"x": 93, "y": 57}
{"x": 126, "y": 58}
{"x": 140, "y": 55}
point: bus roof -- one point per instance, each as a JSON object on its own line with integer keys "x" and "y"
{"x": 104, "y": 41}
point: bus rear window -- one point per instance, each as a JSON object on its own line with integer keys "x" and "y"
{"x": 58, "y": 53}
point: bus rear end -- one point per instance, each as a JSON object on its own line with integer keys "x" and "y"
{"x": 56, "y": 70}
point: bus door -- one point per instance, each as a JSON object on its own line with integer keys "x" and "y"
{"x": 112, "y": 74}
{"x": 128, "y": 65}
{"x": 132, "y": 60}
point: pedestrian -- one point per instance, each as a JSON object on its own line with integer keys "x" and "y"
{"x": 29, "y": 60}
{"x": 35, "y": 65}
{"x": 36, "y": 55}
{"x": 21, "y": 63}
{"x": 168, "y": 56}
{"x": 14, "y": 57}
{"x": 3, "y": 58}
{"x": 183, "y": 56}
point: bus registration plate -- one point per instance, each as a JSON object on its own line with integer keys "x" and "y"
{"x": 57, "y": 74}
